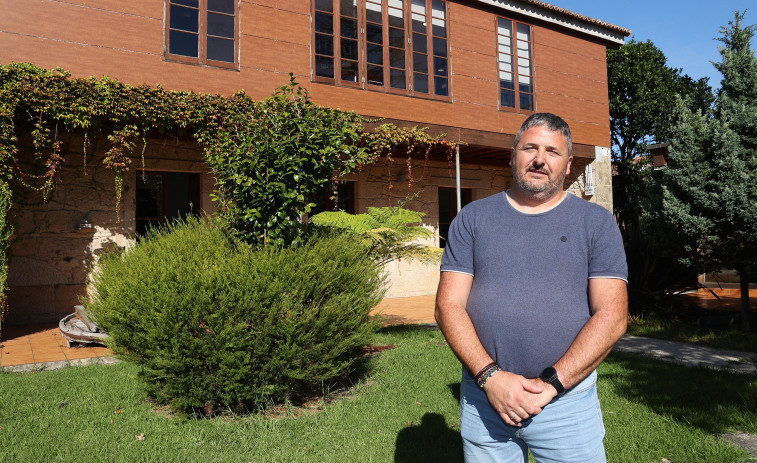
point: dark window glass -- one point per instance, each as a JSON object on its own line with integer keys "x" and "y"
{"x": 440, "y": 66}
{"x": 349, "y": 8}
{"x": 420, "y": 44}
{"x": 221, "y": 6}
{"x": 374, "y": 33}
{"x": 349, "y": 49}
{"x": 324, "y": 67}
{"x": 192, "y": 3}
{"x": 397, "y": 58}
{"x": 420, "y": 83}
{"x": 420, "y": 63}
{"x": 419, "y": 24}
{"x": 397, "y": 77}
{"x": 324, "y": 44}
{"x": 526, "y": 101}
{"x": 185, "y": 19}
{"x": 396, "y": 38}
{"x": 527, "y": 88}
{"x": 221, "y": 49}
{"x": 183, "y": 43}
{"x": 349, "y": 28}
{"x": 375, "y": 75}
{"x": 441, "y": 86}
{"x": 344, "y": 200}
{"x": 508, "y": 98}
{"x": 324, "y": 5}
{"x": 448, "y": 208}
{"x": 375, "y": 54}
{"x": 507, "y": 83}
{"x": 439, "y": 30}
{"x": 150, "y": 196}
{"x": 324, "y": 23}
{"x": 165, "y": 196}
{"x": 349, "y": 71}
{"x": 220, "y": 25}
{"x": 440, "y": 47}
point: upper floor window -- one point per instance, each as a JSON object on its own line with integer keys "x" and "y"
{"x": 202, "y": 32}
{"x": 398, "y": 46}
{"x": 514, "y": 53}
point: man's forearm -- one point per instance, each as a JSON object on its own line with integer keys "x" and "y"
{"x": 609, "y": 301}
{"x": 455, "y": 323}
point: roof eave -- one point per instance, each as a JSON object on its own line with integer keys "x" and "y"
{"x": 565, "y": 18}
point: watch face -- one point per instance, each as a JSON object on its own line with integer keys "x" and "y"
{"x": 549, "y": 374}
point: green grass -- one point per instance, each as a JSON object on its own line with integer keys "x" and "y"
{"x": 405, "y": 412}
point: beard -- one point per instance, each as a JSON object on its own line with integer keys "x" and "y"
{"x": 542, "y": 190}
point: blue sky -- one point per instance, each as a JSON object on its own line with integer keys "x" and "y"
{"x": 683, "y": 29}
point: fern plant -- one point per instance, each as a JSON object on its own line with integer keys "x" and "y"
{"x": 390, "y": 233}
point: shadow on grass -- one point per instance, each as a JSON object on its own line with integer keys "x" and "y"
{"x": 405, "y": 329}
{"x": 714, "y": 401}
{"x": 431, "y": 441}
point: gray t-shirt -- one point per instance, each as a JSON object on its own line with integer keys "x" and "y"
{"x": 529, "y": 297}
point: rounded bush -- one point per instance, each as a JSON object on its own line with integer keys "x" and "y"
{"x": 219, "y": 325}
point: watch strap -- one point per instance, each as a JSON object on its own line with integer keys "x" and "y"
{"x": 549, "y": 375}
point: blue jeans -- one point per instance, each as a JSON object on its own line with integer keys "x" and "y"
{"x": 568, "y": 430}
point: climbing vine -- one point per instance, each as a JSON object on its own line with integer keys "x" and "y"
{"x": 42, "y": 105}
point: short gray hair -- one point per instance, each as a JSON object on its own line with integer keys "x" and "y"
{"x": 552, "y": 121}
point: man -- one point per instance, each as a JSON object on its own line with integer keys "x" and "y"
{"x": 532, "y": 297}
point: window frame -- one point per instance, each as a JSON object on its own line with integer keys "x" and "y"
{"x": 516, "y": 75}
{"x": 201, "y": 59}
{"x": 363, "y": 64}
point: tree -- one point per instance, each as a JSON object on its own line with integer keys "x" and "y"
{"x": 642, "y": 92}
{"x": 703, "y": 205}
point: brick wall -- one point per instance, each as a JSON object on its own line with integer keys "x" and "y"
{"x": 124, "y": 40}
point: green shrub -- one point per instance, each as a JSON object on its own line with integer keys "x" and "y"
{"x": 219, "y": 325}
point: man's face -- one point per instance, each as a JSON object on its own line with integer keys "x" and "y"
{"x": 540, "y": 162}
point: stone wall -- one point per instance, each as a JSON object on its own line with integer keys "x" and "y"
{"x": 57, "y": 243}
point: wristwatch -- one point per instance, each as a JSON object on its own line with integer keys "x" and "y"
{"x": 549, "y": 375}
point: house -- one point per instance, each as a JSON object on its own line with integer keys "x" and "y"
{"x": 471, "y": 69}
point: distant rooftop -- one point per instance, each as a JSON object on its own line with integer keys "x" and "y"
{"x": 566, "y": 18}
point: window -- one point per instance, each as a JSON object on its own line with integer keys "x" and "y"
{"x": 202, "y": 32}
{"x": 162, "y": 196}
{"x": 448, "y": 209}
{"x": 398, "y": 46}
{"x": 343, "y": 201}
{"x": 514, "y": 53}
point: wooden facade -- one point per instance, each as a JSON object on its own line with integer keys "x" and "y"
{"x": 131, "y": 42}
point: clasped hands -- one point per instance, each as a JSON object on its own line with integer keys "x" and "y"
{"x": 517, "y": 398}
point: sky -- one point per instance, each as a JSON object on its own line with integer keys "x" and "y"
{"x": 683, "y": 29}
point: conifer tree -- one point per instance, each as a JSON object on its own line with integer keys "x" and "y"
{"x": 703, "y": 205}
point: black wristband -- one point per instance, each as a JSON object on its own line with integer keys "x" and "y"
{"x": 549, "y": 375}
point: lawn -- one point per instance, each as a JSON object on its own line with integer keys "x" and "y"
{"x": 405, "y": 412}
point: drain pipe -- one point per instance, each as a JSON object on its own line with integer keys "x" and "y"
{"x": 457, "y": 177}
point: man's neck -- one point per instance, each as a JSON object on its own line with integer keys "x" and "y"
{"x": 526, "y": 203}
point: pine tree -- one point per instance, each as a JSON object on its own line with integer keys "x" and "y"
{"x": 703, "y": 205}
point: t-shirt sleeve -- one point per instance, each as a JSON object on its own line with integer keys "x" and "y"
{"x": 458, "y": 252}
{"x": 608, "y": 256}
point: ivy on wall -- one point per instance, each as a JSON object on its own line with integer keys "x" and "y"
{"x": 43, "y": 104}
